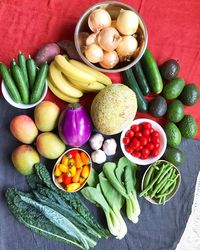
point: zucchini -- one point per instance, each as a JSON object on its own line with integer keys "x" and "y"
{"x": 141, "y": 79}
{"x": 39, "y": 83}
{"x": 10, "y": 84}
{"x": 152, "y": 72}
{"x": 20, "y": 82}
{"x": 131, "y": 82}
{"x": 22, "y": 65}
{"x": 32, "y": 71}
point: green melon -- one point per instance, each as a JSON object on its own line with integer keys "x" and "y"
{"x": 113, "y": 109}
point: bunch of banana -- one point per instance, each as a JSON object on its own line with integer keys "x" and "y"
{"x": 70, "y": 79}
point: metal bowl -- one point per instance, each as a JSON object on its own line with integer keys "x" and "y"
{"x": 113, "y": 9}
{"x": 170, "y": 196}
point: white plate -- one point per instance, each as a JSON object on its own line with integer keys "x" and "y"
{"x": 8, "y": 98}
{"x": 151, "y": 159}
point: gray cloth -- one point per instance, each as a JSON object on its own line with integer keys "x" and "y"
{"x": 159, "y": 227}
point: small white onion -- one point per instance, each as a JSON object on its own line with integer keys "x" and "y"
{"x": 127, "y": 48}
{"x": 94, "y": 53}
{"x": 109, "y": 39}
{"x": 92, "y": 38}
{"x": 110, "y": 59}
{"x": 98, "y": 20}
{"x": 127, "y": 22}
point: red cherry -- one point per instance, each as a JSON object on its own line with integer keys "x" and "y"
{"x": 135, "y": 128}
{"x": 136, "y": 154}
{"x": 138, "y": 134}
{"x": 143, "y": 140}
{"x": 126, "y": 140}
{"x": 129, "y": 133}
{"x": 150, "y": 146}
{"x": 147, "y": 125}
{"x": 146, "y": 132}
{"x": 154, "y": 152}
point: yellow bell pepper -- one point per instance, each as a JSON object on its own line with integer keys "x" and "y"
{"x": 57, "y": 171}
{"x": 71, "y": 162}
{"x": 72, "y": 170}
{"x": 65, "y": 160}
{"x": 63, "y": 168}
{"x": 72, "y": 187}
{"x": 77, "y": 175}
{"x": 85, "y": 172}
{"x": 81, "y": 180}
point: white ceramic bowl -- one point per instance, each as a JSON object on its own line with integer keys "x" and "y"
{"x": 151, "y": 159}
{"x": 170, "y": 196}
{"x": 8, "y": 98}
{"x": 59, "y": 160}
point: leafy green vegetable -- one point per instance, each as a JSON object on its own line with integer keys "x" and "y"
{"x": 33, "y": 219}
{"x": 93, "y": 179}
{"x": 115, "y": 200}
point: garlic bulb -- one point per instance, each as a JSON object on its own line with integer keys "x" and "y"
{"x": 110, "y": 146}
{"x": 98, "y": 156}
{"x": 96, "y": 141}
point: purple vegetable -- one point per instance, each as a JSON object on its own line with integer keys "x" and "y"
{"x": 74, "y": 125}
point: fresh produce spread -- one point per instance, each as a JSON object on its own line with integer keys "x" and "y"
{"x": 54, "y": 206}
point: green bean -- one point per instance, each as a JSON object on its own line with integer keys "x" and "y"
{"x": 152, "y": 183}
{"x": 169, "y": 191}
{"x": 169, "y": 184}
{"x": 167, "y": 169}
{"x": 148, "y": 177}
{"x": 164, "y": 200}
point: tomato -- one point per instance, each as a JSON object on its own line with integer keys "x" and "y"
{"x": 146, "y": 132}
{"x": 136, "y": 154}
{"x": 135, "y": 128}
{"x": 128, "y": 149}
{"x": 149, "y": 138}
{"x": 150, "y": 146}
{"x": 67, "y": 179}
{"x": 154, "y": 152}
{"x": 145, "y": 151}
{"x": 126, "y": 140}
{"x": 151, "y": 130}
{"x": 140, "y": 127}
{"x": 129, "y": 133}
{"x": 144, "y": 157}
{"x": 139, "y": 148}
{"x": 135, "y": 143}
{"x": 155, "y": 140}
{"x": 157, "y": 145}
{"x": 143, "y": 140}
{"x": 138, "y": 134}
{"x": 155, "y": 134}
{"x": 147, "y": 125}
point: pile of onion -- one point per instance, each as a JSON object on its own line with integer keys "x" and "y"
{"x": 112, "y": 41}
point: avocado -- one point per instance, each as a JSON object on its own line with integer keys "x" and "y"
{"x": 175, "y": 111}
{"x": 158, "y": 106}
{"x": 190, "y": 94}
{"x": 173, "y": 89}
{"x": 173, "y": 134}
{"x": 169, "y": 69}
{"x": 188, "y": 126}
{"x": 174, "y": 155}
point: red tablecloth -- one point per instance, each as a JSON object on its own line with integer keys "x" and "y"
{"x": 173, "y": 28}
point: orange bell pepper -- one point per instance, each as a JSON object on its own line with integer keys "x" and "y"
{"x": 78, "y": 161}
{"x": 84, "y": 158}
{"x": 77, "y": 175}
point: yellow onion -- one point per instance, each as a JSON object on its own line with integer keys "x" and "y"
{"x": 82, "y": 40}
{"x": 110, "y": 59}
{"x": 127, "y": 48}
{"x": 127, "y": 22}
{"x": 114, "y": 24}
{"x": 92, "y": 38}
{"x": 98, "y": 20}
{"x": 109, "y": 39}
{"x": 94, "y": 53}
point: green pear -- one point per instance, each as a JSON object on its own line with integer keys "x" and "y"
{"x": 24, "y": 157}
{"x": 50, "y": 145}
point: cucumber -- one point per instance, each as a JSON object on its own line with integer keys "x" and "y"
{"x": 20, "y": 82}
{"x": 39, "y": 83}
{"x": 152, "y": 72}
{"x": 32, "y": 71}
{"x": 22, "y": 65}
{"x": 131, "y": 82}
{"x": 141, "y": 79}
{"x": 10, "y": 84}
